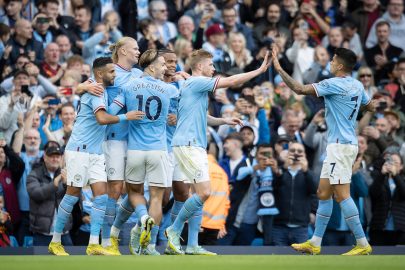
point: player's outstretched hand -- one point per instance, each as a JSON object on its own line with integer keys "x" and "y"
{"x": 266, "y": 63}
{"x": 135, "y": 115}
{"x": 274, "y": 54}
{"x": 233, "y": 121}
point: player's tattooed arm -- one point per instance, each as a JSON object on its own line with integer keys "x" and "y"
{"x": 297, "y": 87}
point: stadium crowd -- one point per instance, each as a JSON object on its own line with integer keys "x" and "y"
{"x": 264, "y": 175}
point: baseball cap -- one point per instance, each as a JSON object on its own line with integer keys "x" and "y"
{"x": 283, "y": 138}
{"x": 53, "y": 150}
{"x": 214, "y": 29}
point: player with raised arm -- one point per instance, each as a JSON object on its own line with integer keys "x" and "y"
{"x": 147, "y": 149}
{"x": 343, "y": 97}
{"x": 85, "y": 160}
{"x": 190, "y": 139}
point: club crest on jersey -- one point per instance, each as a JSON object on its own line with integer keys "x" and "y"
{"x": 77, "y": 178}
{"x": 198, "y": 174}
{"x": 111, "y": 171}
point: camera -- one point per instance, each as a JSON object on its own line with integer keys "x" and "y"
{"x": 54, "y": 101}
{"x": 267, "y": 154}
{"x": 42, "y": 20}
{"x": 382, "y": 106}
{"x": 25, "y": 90}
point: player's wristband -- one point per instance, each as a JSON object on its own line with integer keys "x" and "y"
{"x": 122, "y": 117}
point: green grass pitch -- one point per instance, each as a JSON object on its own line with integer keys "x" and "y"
{"x": 251, "y": 262}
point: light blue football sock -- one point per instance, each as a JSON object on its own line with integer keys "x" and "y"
{"x": 194, "y": 224}
{"x": 124, "y": 211}
{"x": 177, "y": 205}
{"x": 97, "y": 217}
{"x": 153, "y": 234}
{"x": 108, "y": 220}
{"x": 190, "y": 206}
{"x": 64, "y": 211}
{"x": 351, "y": 214}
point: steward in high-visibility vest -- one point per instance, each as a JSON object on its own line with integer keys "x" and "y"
{"x": 216, "y": 208}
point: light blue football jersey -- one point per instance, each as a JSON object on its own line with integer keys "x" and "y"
{"x": 343, "y": 98}
{"x": 119, "y": 131}
{"x": 174, "y": 105}
{"x": 87, "y": 134}
{"x": 192, "y": 113}
{"x": 152, "y": 96}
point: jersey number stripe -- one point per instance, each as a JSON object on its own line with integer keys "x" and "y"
{"x": 355, "y": 98}
{"x": 147, "y": 106}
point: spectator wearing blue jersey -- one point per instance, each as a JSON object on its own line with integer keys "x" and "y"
{"x": 343, "y": 96}
{"x": 85, "y": 160}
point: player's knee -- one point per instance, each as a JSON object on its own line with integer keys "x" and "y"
{"x": 323, "y": 194}
{"x": 114, "y": 189}
{"x": 204, "y": 194}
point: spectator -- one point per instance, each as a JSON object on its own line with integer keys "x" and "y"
{"x": 183, "y": 49}
{"x": 150, "y": 37}
{"x": 242, "y": 218}
{"x": 293, "y": 190}
{"x": 397, "y": 129}
{"x": 204, "y": 9}
{"x": 266, "y": 170}
{"x": 365, "y": 16}
{"x": 239, "y": 54}
{"x": 387, "y": 194}
{"x": 65, "y": 48}
{"x": 50, "y": 105}
{"x": 50, "y": 67}
{"x": 62, "y": 135}
{"x": 350, "y": 34}
{"x": 22, "y": 42}
{"x": 216, "y": 207}
{"x": 396, "y": 20}
{"x": 98, "y": 44}
{"x": 400, "y": 82}
{"x": 316, "y": 138}
{"x": 43, "y": 32}
{"x": 5, "y": 223}
{"x": 46, "y": 185}
{"x": 4, "y": 37}
{"x": 83, "y": 28}
{"x": 229, "y": 15}
{"x": 333, "y": 40}
{"x": 64, "y": 24}
{"x": 272, "y": 19}
{"x": 300, "y": 53}
{"x": 317, "y": 27}
{"x": 31, "y": 140}
{"x": 380, "y": 55}
{"x": 159, "y": 14}
{"x": 215, "y": 44}
{"x": 187, "y": 31}
{"x": 250, "y": 137}
{"x": 11, "y": 170}
{"x": 318, "y": 71}
{"x": 13, "y": 12}
{"x": 366, "y": 77}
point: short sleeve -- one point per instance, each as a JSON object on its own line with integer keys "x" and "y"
{"x": 97, "y": 103}
{"x": 365, "y": 99}
{"x": 205, "y": 84}
{"x": 325, "y": 88}
{"x": 120, "y": 99}
{"x": 173, "y": 92}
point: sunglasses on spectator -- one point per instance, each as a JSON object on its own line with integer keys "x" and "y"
{"x": 365, "y": 75}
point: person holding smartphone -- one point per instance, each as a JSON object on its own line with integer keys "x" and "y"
{"x": 294, "y": 187}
